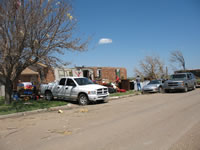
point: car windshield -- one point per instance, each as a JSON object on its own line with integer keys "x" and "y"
{"x": 178, "y": 76}
{"x": 154, "y": 82}
{"x": 83, "y": 81}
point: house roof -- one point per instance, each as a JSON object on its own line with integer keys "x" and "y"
{"x": 28, "y": 71}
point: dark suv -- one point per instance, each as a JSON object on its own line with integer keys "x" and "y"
{"x": 180, "y": 81}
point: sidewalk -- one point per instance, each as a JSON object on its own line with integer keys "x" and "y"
{"x": 65, "y": 107}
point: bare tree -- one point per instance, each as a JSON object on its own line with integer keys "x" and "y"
{"x": 177, "y": 57}
{"x": 151, "y": 67}
{"x": 33, "y": 31}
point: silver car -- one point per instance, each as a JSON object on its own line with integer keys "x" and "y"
{"x": 153, "y": 86}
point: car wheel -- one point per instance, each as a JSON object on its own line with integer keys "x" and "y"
{"x": 186, "y": 88}
{"x": 83, "y": 99}
{"x": 48, "y": 96}
{"x": 160, "y": 90}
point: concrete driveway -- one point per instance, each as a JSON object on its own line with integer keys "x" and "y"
{"x": 144, "y": 122}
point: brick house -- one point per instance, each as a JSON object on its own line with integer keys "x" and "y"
{"x": 107, "y": 74}
{"x": 37, "y": 74}
{"x": 41, "y": 73}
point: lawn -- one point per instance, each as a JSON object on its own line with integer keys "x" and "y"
{"x": 124, "y": 93}
{"x": 22, "y": 106}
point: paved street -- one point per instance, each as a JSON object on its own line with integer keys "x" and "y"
{"x": 145, "y": 122}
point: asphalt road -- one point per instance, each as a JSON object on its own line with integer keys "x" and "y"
{"x": 145, "y": 122}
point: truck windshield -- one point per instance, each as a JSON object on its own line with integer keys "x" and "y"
{"x": 178, "y": 76}
{"x": 83, "y": 81}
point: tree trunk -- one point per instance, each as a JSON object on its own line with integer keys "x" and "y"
{"x": 8, "y": 91}
{"x": 184, "y": 67}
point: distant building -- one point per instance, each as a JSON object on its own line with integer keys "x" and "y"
{"x": 196, "y": 72}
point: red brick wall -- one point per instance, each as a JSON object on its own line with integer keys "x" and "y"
{"x": 109, "y": 73}
{"x": 50, "y": 77}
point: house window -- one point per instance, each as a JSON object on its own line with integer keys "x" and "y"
{"x": 117, "y": 71}
{"x": 68, "y": 73}
{"x": 61, "y": 73}
{"x": 99, "y": 73}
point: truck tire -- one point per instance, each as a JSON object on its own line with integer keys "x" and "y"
{"x": 83, "y": 99}
{"x": 166, "y": 91}
{"x": 48, "y": 95}
{"x": 186, "y": 88}
{"x": 194, "y": 87}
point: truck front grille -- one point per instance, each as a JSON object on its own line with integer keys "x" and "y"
{"x": 102, "y": 91}
{"x": 173, "y": 84}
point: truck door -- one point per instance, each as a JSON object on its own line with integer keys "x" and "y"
{"x": 60, "y": 88}
{"x": 70, "y": 89}
{"x": 189, "y": 80}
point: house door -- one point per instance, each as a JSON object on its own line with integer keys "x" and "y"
{"x": 86, "y": 73}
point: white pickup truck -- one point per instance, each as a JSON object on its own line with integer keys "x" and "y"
{"x": 78, "y": 89}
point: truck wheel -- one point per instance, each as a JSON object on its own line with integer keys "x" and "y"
{"x": 83, "y": 99}
{"x": 48, "y": 96}
{"x": 166, "y": 91}
{"x": 194, "y": 87}
{"x": 186, "y": 88}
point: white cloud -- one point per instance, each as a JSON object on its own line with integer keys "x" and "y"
{"x": 105, "y": 41}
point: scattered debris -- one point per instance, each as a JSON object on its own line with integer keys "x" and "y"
{"x": 83, "y": 110}
{"x": 60, "y": 111}
{"x": 69, "y": 105}
{"x": 66, "y": 132}
{"x": 28, "y": 103}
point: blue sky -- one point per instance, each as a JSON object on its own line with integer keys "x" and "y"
{"x": 137, "y": 28}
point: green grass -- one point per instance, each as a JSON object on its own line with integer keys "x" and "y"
{"x": 22, "y": 106}
{"x": 124, "y": 93}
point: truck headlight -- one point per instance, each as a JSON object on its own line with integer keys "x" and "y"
{"x": 92, "y": 92}
{"x": 181, "y": 83}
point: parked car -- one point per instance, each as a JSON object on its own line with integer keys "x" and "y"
{"x": 153, "y": 86}
{"x": 78, "y": 89}
{"x": 180, "y": 81}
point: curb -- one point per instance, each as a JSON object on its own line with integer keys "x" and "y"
{"x": 124, "y": 96}
{"x": 65, "y": 107}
